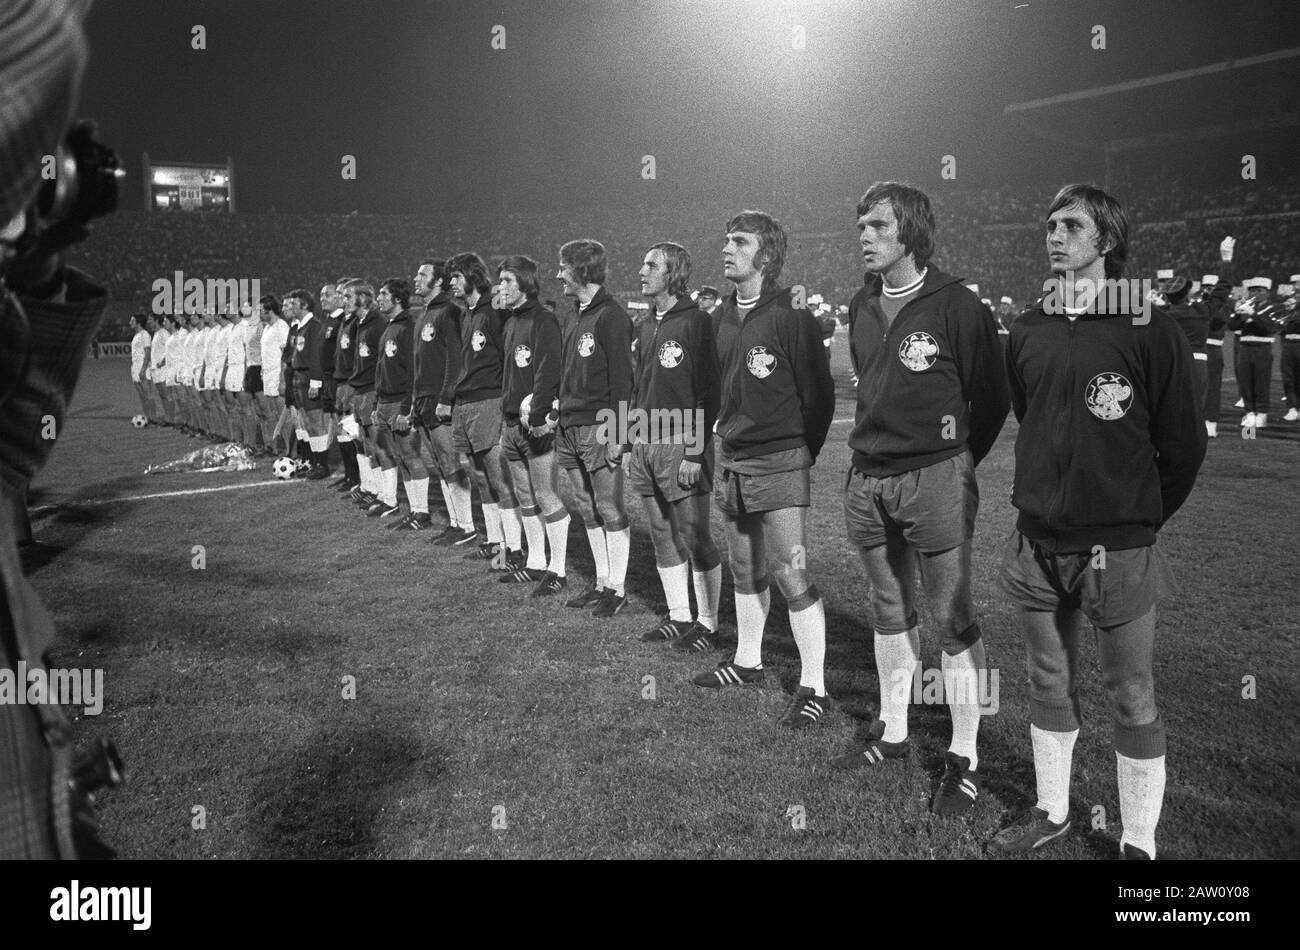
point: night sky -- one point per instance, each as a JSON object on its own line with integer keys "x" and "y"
{"x": 713, "y": 90}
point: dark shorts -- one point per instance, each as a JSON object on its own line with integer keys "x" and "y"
{"x": 933, "y": 508}
{"x": 343, "y": 398}
{"x": 301, "y": 387}
{"x": 738, "y": 494}
{"x": 476, "y": 426}
{"x": 425, "y": 412}
{"x": 1124, "y": 589}
{"x": 363, "y": 406}
{"x": 387, "y": 412}
{"x": 329, "y": 395}
{"x": 438, "y": 449}
{"x": 252, "y": 379}
{"x": 580, "y": 447}
{"x": 652, "y": 470}
{"x": 518, "y": 446}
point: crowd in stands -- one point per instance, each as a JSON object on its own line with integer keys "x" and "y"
{"x": 990, "y": 236}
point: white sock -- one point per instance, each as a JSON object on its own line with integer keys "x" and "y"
{"x": 708, "y": 591}
{"x": 363, "y": 467}
{"x": 809, "y": 629}
{"x": 599, "y": 554}
{"x": 389, "y": 491}
{"x": 619, "y": 545}
{"x": 536, "y": 541}
{"x": 446, "y": 500}
{"x": 512, "y": 526}
{"x": 676, "y": 592}
{"x": 557, "y": 533}
{"x": 1052, "y": 756}
{"x": 751, "y": 618}
{"x": 461, "y": 504}
{"x": 417, "y": 492}
{"x": 896, "y": 657}
{"x": 492, "y": 521}
{"x": 319, "y": 443}
{"x": 1141, "y": 793}
{"x": 961, "y": 688}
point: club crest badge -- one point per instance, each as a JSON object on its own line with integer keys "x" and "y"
{"x": 390, "y": 348}
{"x": 329, "y": 332}
{"x": 918, "y": 352}
{"x": 523, "y": 356}
{"x": 760, "y": 362}
{"x": 345, "y": 341}
{"x": 671, "y": 354}
{"x": 477, "y": 341}
{"x": 300, "y": 342}
{"x": 586, "y": 345}
{"x": 363, "y": 351}
{"x": 427, "y": 333}
{"x": 1109, "y": 396}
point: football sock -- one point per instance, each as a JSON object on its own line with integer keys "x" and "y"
{"x": 1140, "y": 769}
{"x": 492, "y": 521}
{"x": 600, "y": 555}
{"x": 1053, "y": 752}
{"x": 618, "y": 544}
{"x": 389, "y": 491}
{"x": 896, "y": 657}
{"x": 461, "y": 504}
{"x": 961, "y": 686}
{"x": 417, "y": 492}
{"x": 536, "y": 538}
{"x": 364, "y": 477}
{"x": 751, "y": 618}
{"x": 512, "y": 527}
{"x": 809, "y": 628}
{"x": 557, "y": 533}
{"x": 446, "y": 500}
{"x": 708, "y": 591}
{"x": 676, "y": 592}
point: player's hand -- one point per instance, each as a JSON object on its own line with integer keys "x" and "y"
{"x": 613, "y": 455}
{"x": 401, "y": 423}
{"x": 374, "y": 418}
{"x": 442, "y": 411}
{"x": 313, "y": 391}
{"x": 688, "y": 473}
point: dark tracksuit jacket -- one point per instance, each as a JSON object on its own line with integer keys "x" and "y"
{"x": 482, "y": 356}
{"x": 777, "y": 391}
{"x": 369, "y": 328}
{"x": 307, "y": 350}
{"x": 597, "y": 371}
{"x": 436, "y": 335}
{"x": 345, "y": 349}
{"x": 329, "y": 340}
{"x": 394, "y": 370}
{"x": 286, "y": 366}
{"x": 677, "y": 367}
{"x": 532, "y": 349}
{"x": 1111, "y": 437}
{"x": 940, "y": 363}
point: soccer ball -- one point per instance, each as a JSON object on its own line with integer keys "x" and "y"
{"x": 282, "y": 468}
{"x": 139, "y": 421}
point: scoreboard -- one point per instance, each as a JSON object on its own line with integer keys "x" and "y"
{"x": 189, "y": 186}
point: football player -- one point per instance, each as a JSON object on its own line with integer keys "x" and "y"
{"x": 437, "y": 366}
{"x": 776, "y": 407}
{"x": 672, "y": 469}
{"x": 476, "y": 412}
{"x": 140, "y": 343}
{"x": 935, "y": 405}
{"x": 331, "y": 302}
{"x": 1108, "y": 450}
{"x": 394, "y": 437}
{"x": 270, "y": 401}
{"x": 530, "y": 384}
{"x": 369, "y": 327}
{"x": 596, "y": 379}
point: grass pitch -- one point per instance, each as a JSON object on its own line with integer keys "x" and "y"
{"x": 485, "y": 725}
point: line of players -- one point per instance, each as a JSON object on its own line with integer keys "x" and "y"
{"x": 484, "y": 385}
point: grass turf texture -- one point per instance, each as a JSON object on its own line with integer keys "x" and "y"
{"x": 224, "y": 686}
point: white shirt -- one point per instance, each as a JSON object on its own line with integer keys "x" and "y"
{"x": 212, "y": 367}
{"x": 274, "y": 338}
{"x": 158, "y": 355}
{"x": 235, "y": 357}
{"x": 176, "y": 355}
{"x": 139, "y": 349}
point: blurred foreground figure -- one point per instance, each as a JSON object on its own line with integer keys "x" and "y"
{"x": 48, "y": 315}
